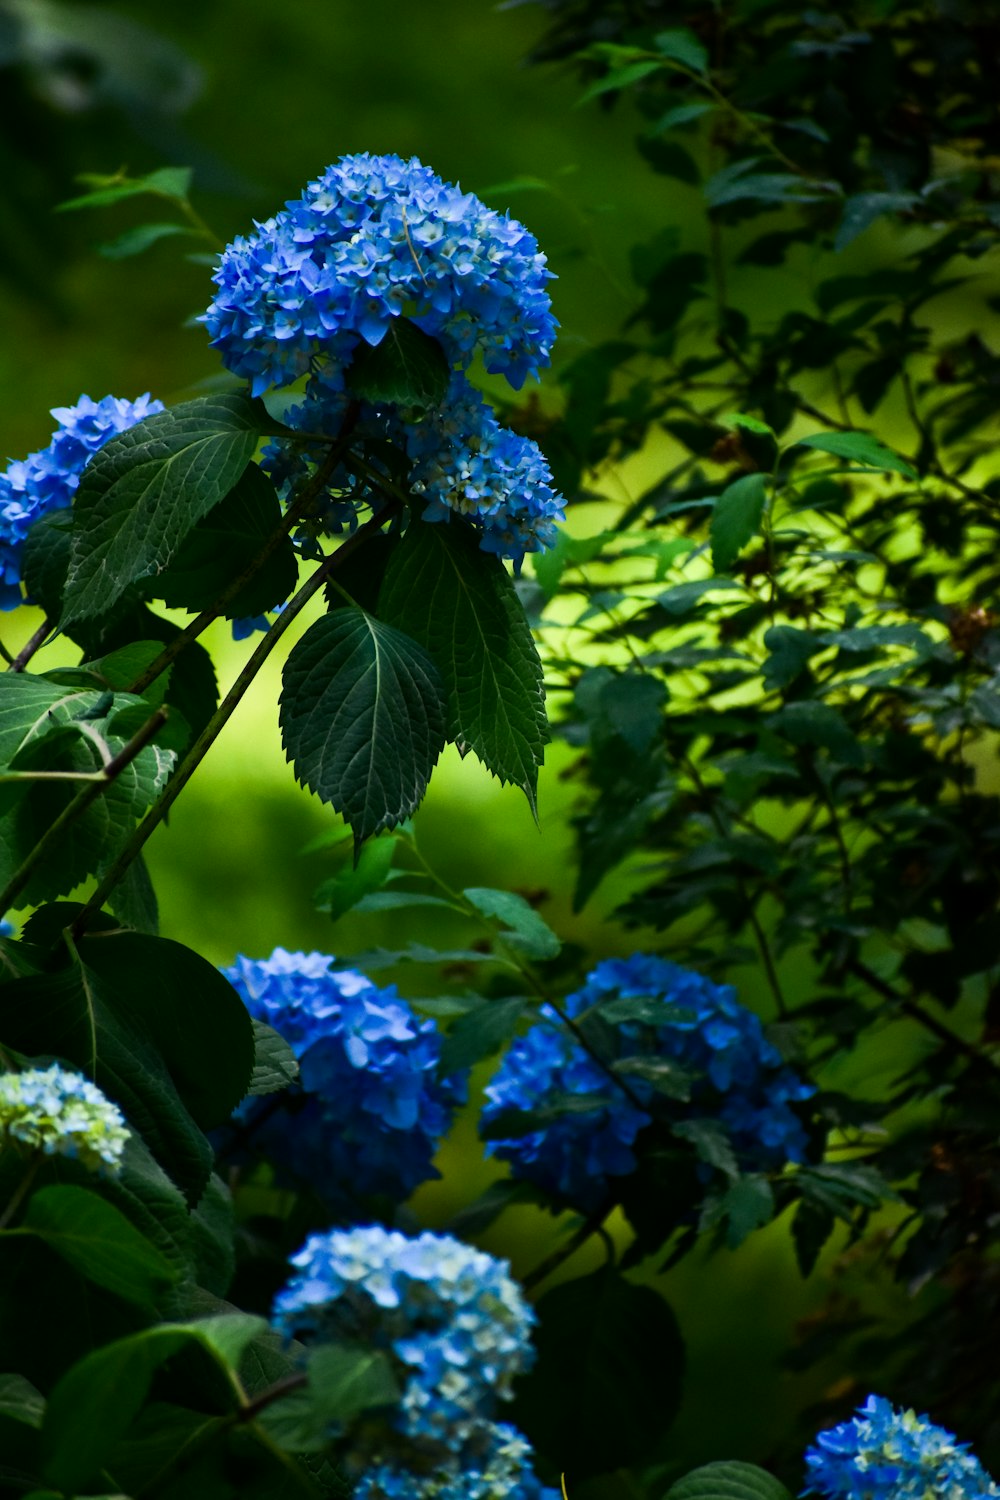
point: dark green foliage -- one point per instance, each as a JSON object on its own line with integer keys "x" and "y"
{"x": 460, "y": 604}
{"x": 408, "y": 367}
{"x": 362, "y": 718}
{"x": 608, "y": 1379}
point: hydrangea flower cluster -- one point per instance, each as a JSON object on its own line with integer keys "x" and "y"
{"x": 47, "y": 480}
{"x": 735, "y": 1076}
{"x": 374, "y": 239}
{"x": 883, "y": 1453}
{"x": 371, "y": 239}
{"x": 62, "y": 1114}
{"x": 371, "y": 1109}
{"x": 457, "y": 1330}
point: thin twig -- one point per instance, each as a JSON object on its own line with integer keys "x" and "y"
{"x": 590, "y": 1226}
{"x": 911, "y": 1007}
{"x": 223, "y": 713}
{"x": 27, "y": 651}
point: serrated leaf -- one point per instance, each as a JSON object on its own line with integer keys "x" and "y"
{"x": 479, "y": 1033}
{"x": 711, "y": 1142}
{"x": 527, "y": 931}
{"x": 358, "y": 881}
{"x": 345, "y": 1380}
{"x": 859, "y": 448}
{"x": 166, "y": 182}
{"x": 812, "y": 1226}
{"x": 461, "y": 605}
{"x": 141, "y": 494}
{"x": 662, "y": 1073}
{"x": 407, "y": 367}
{"x": 736, "y": 518}
{"x": 362, "y": 718}
{"x": 223, "y": 544}
{"x": 99, "y": 1241}
{"x": 275, "y": 1065}
{"x": 728, "y": 1480}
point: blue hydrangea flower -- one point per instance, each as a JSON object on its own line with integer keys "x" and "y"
{"x": 466, "y": 464}
{"x": 454, "y": 1324}
{"x": 373, "y": 238}
{"x": 501, "y": 1471}
{"x": 47, "y": 480}
{"x": 62, "y": 1114}
{"x": 371, "y": 1109}
{"x": 883, "y": 1453}
{"x": 735, "y": 1076}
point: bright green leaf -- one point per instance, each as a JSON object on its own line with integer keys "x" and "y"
{"x": 859, "y": 448}
{"x": 528, "y": 932}
{"x": 736, "y": 518}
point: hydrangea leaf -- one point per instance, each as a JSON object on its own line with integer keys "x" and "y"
{"x": 69, "y": 1014}
{"x": 275, "y": 1066}
{"x": 144, "y": 491}
{"x": 728, "y": 1480}
{"x": 736, "y": 518}
{"x": 479, "y": 1033}
{"x": 407, "y": 367}
{"x": 345, "y": 1380}
{"x": 223, "y": 544}
{"x": 608, "y": 1379}
{"x": 362, "y": 718}
{"x": 100, "y": 1242}
{"x": 527, "y": 931}
{"x": 47, "y": 727}
{"x": 459, "y": 603}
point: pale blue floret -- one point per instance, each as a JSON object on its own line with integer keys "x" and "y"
{"x": 47, "y": 480}
{"x": 884, "y": 1453}
{"x": 371, "y": 1109}
{"x": 735, "y": 1076}
{"x": 456, "y": 1329}
{"x": 62, "y": 1114}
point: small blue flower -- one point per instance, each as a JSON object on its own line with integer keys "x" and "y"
{"x": 883, "y": 1453}
{"x": 499, "y": 1468}
{"x": 47, "y": 480}
{"x": 734, "y": 1075}
{"x": 454, "y": 1324}
{"x": 371, "y": 1109}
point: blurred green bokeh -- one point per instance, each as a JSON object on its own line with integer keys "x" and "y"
{"x": 283, "y": 91}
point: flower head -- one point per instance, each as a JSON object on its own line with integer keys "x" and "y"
{"x": 883, "y": 1453}
{"x": 648, "y": 1008}
{"x": 454, "y": 1324}
{"x": 500, "y": 1469}
{"x": 62, "y": 1114}
{"x": 47, "y": 480}
{"x": 371, "y": 1109}
{"x": 371, "y": 239}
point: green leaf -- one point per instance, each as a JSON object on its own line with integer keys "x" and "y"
{"x": 345, "y": 1381}
{"x": 747, "y": 1205}
{"x": 477, "y": 1216}
{"x": 166, "y": 182}
{"x": 359, "y": 880}
{"x": 362, "y": 718}
{"x": 682, "y": 46}
{"x": 812, "y": 1227}
{"x": 807, "y": 722}
{"x": 608, "y": 1377}
{"x": 95, "y": 1402}
{"x": 528, "y": 932}
{"x": 133, "y": 899}
{"x": 143, "y": 491}
{"x": 728, "y": 1480}
{"x": 99, "y": 1241}
{"x": 408, "y": 367}
{"x": 20, "y": 1401}
{"x": 224, "y": 544}
{"x": 479, "y": 1033}
{"x": 460, "y": 604}
{"x": 859, "y": 448}
{"x": 141, "y": 237}
{"x": 736, "y": 518}
{"x": 275, "y": 1066}
{"x": 666, "y": 1076}
{"x": 711, "y": 1141}
{"x": 620, "y": 78}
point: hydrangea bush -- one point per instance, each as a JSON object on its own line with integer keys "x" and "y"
{"x": 775, "y": 674}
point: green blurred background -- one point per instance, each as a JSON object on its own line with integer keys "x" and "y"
{"x": 273, "y": 93}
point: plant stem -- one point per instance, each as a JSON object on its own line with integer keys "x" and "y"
{"x": 22, "y": 1190}
{"x": 27, "y": 651}
{"x": 911, "y": 1007}
{"x": 79, "y": 805}
{"x": 223, "y": 713}
{"x": 590, "y": 1226}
